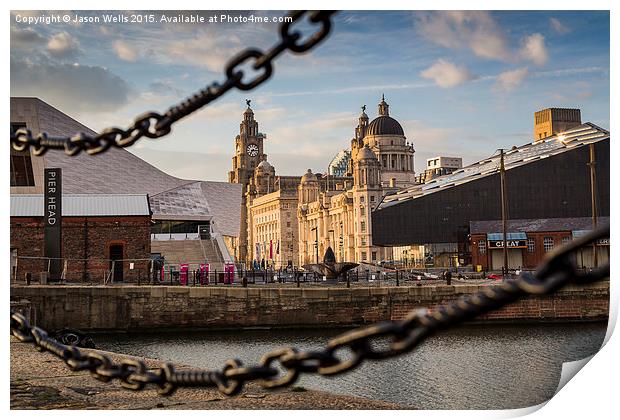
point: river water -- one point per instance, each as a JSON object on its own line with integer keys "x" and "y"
{"x": 473, "y": 367}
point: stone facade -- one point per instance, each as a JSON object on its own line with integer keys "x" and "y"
{"x": 133, "y": 308}
{"x": 86, "y": 243}
{"x": 330, "y": 211}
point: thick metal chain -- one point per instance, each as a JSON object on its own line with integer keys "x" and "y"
{"x": 153, "y": 125}
{"x": 283, "y": 367}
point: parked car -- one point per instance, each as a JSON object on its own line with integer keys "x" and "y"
{"x": 494, "y": 277}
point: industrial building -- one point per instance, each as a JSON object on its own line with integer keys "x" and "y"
{"x": 545, "y": 179}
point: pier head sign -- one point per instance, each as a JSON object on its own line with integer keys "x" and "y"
{"x": 52, "y": 216}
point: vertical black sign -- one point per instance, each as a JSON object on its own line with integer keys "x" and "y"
{"x": 52, "y": 216}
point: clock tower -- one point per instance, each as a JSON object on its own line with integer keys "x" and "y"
{"x": 248, "y": 154}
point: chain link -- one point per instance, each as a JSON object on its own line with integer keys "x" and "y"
{"x": 402, "y": 336}
{"x": 154, "y": 125}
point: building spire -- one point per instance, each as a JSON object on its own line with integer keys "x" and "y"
{"x": 383, "y": 107}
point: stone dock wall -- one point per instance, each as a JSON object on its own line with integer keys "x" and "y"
{"x": 157, "y": 308}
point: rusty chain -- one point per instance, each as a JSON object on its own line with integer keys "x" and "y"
{"x": 362, "y": 343}
{"x": 154, "y": 125}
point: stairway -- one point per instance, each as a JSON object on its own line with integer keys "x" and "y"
{"x": 190, "y": 251}
{"x": 212, "y": 254}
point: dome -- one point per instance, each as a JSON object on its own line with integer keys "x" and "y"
{"x": 384, "y": 125}
{"x": 365, "y": 153}
{"x": 308, "y": 177}
{"x": 264, "y": 166}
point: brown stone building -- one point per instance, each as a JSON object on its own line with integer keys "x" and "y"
{"x": 289, "y": 220}
{"x": 105, "y": 238}
{"x": 530, "y": 240}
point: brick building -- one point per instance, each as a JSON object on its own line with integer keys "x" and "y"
{"x": 180, "y": 207}
{"x": 105, "y": 237}
{"x": 530, "y": 240}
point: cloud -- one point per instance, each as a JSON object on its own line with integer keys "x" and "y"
{"x": 473, "y": 30}
{"x": 73, "y": 88}
{"x": 509, "y": 80}
{"x": 124, "y": 51}
{"x": 63, "y": 45}
{"x": 534, "y": 49}
{"x": 558, "y": 26}
{"x": 447, "y": 74}
{"x": 25, "y": 38}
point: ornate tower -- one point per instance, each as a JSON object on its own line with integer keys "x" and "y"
{"x": 366, "y": 195}
{"x": 248, "y": 154}
{"x": 358, "y": 141}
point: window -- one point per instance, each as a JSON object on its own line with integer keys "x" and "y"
{"x": 361, "y": 199}
{"x": 362, "y": 211}
{"x": 363, "y": 256}
{"x": 548, "y": 243}
{"x": 565, "y": 240}
{"x": 372, "y": 198}
{"x": 288, "y": 224}
{"x": 363, "y": 241}
{"x": 21, "y": 164}
{"x": 374, "y": 256}
{"x": 363, "y": 226}
{"x": 482, "y": 247}
{"x": 531, "y": 245}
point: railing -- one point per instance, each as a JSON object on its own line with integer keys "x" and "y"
{"x": 175, "y": 236}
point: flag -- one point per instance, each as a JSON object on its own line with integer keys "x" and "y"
{"x": 278, "y": 248}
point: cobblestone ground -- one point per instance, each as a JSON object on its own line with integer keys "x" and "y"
{"x": 40, "y": 381}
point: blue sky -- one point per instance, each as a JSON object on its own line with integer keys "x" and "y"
{"x": 461, "y": 83}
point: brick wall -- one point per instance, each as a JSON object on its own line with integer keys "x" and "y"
{"x": 134, "y": 308}
{"x": 530, "y": 259}
{"x": 84, "y": 238}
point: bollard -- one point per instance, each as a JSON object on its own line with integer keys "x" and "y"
{"x": 215, "y": 272}
{"x": 397, "y": 281}
{"x": 348, "y": 280}
{"x": 244, "y": 281}
{"x": 28, "y": 278}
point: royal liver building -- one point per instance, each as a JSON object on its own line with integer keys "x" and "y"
{"x": 292, "y": 220}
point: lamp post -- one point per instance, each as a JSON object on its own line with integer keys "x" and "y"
{"x": 502, "y": 172}
{"x": 592, "y": 165}
{"x": 316, "y": 242}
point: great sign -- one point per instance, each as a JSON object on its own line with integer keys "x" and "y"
{"x": 521, "y": 243}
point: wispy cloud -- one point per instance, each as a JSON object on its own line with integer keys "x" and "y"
{"x": 446, "y": 74}
{"x": 534, "y": 49}
{"x": 125, "y": 51}
{"x": 63, "y": 45}
{"x": 558, "y": 26}
{"x": 509, "y": 80}
{"x": 476, "y": 31}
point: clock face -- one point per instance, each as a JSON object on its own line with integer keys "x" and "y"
{"x": 252, "y": 150}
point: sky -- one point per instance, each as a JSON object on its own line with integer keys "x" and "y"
{"x": 461, "y": 83}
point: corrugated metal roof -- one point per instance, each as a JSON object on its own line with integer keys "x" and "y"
{"x": 576, "y": 137}
{"x": 31, "y": 205}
